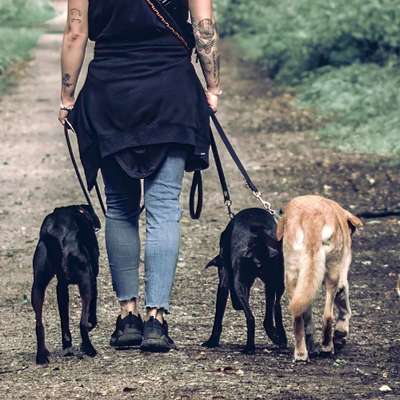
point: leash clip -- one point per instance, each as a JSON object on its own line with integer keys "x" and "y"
{"x": 267, "y": 205}
{"x": 228, "y": 205}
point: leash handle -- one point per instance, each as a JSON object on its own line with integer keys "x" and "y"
{"x": 197, "y": 186}
{"x": 249, "y": 183}
{"x": 68, "y": 126}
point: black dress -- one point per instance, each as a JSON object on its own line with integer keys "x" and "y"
{"x": 141, "y": 93}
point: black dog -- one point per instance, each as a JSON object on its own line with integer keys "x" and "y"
{"x": 67, "y": 248}
{"x": 249, "y": 249}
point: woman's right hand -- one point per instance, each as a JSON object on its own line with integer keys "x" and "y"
{"x": 213, "y": 98}
{"x": 65, "y": 108}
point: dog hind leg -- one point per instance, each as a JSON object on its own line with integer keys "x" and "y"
{"x": 93, "y": 307}
{"x": 63, "y": 309}
{"x": 282, "y": 339}
{"x": 43, "y": 273}
{"x": 222, "y": 297}
{"x": 243, "y": 294}
{"x": 342, "y": 302}
{"x": 312, "y": 349}
{"x": 86, "y": 292}
{"x": 328, "y": 319}
{"x": 269, "y": 325}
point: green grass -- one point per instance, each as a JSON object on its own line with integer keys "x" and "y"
{"x": 342, "y": 57}
{"x": 20, "y": 28}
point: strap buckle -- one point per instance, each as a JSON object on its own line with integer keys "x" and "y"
{"x": 267, "y": 205}
{"x": 228, "y": 205}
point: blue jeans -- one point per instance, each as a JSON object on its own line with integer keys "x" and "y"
{"x": 163, "y": 213}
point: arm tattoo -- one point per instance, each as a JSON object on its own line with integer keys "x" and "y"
{"x": 75, "y": 15}
{"x": 206, "y": 36}
{"x": 66, "y": 81}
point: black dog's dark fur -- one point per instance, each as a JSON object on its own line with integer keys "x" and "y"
{"x": 249, "y": 250}
{"x": 67, "y": 248}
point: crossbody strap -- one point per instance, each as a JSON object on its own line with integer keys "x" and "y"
{"x": 166, "y": 18}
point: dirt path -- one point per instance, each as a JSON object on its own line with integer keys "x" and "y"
{"x": 275, "y": 143}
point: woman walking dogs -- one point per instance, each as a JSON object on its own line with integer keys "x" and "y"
{"x": 141, "y": 114}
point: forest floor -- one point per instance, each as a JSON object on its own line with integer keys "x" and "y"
{"x": 275, "y": 140}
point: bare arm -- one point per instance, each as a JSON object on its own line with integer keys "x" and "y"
{"x": 73, "y": 51}
{"x": 205, "y": 32}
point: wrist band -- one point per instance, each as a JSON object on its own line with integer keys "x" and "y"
{"x": 66, "y": 108}
{"x": 219, "y": 93}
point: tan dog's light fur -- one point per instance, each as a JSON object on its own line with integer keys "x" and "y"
{"x": 316, "y": 236}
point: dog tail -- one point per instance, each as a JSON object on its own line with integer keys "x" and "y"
{"x": 309, "y": 281}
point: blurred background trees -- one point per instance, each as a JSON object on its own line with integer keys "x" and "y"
{"x": 20, "y": 22}
{"x": 342, "y": 56}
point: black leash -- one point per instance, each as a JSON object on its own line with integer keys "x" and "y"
{"x": 380, "y": 213}
{"x": 68, "y": 126}
{"x": 197, "y": 187}
{"x": 249, "y": 183}
{"x": 221, "y": 175}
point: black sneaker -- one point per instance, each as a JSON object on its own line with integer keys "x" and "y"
{"x": 155, "y": 337}
{"x": 128, "y": 332}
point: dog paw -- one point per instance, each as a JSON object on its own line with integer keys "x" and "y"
{"x": 249, "y": 350}
{"x": 210, "y": 344}
{"x": 301, "y": 357}
{"x": 68, "y": 352}
{"x": 339, "y": 339}
{"x": 314, "y": 351}
{"x": 326, "y": 352}
{"x": 92, "y": 324}
{"x": 42, "y": 358}
{"x": 88, "y": 349}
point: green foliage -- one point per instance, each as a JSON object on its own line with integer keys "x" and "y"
{"x": 362, "y": 102}
{"x": 342, "y": 55}
{"x": 291, "y": 37}
{"x": 19, "y": 30}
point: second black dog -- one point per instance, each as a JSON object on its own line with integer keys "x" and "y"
{"x": 249, "y": 250}
{"x": 68, "y": 249}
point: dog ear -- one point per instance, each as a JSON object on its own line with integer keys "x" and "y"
{"x": 353, "y": 222}
{"x": 215, "y": 262}
{"x": 280, "y": 227}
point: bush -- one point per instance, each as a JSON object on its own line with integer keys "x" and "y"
{"x": 19, "y": 30}
{"x": 362, "y": 102}
{"x": 291, "y": 38}
{"x": 24, "y": 13}
{"x": 341, "y": 56}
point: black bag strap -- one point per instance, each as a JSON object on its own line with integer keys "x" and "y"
{"x": 169, "y": 21}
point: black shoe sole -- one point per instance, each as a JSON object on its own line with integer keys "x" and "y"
{"x": 155, "y": 346}
{"x": 126, "y": 341}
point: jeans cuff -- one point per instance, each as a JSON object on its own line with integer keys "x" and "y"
{"x": 127, "y": 298}
{"x": 164, "y": 306}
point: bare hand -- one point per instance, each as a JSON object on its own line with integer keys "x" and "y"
{"x": 63, "y": 114}
{"x": 212, "y": 100}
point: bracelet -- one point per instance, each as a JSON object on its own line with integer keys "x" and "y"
{"x": 66, "y": 108}
{"x": 218, "y": 93}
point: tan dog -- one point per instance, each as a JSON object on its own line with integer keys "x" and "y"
{"x": 316, "y": 236}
